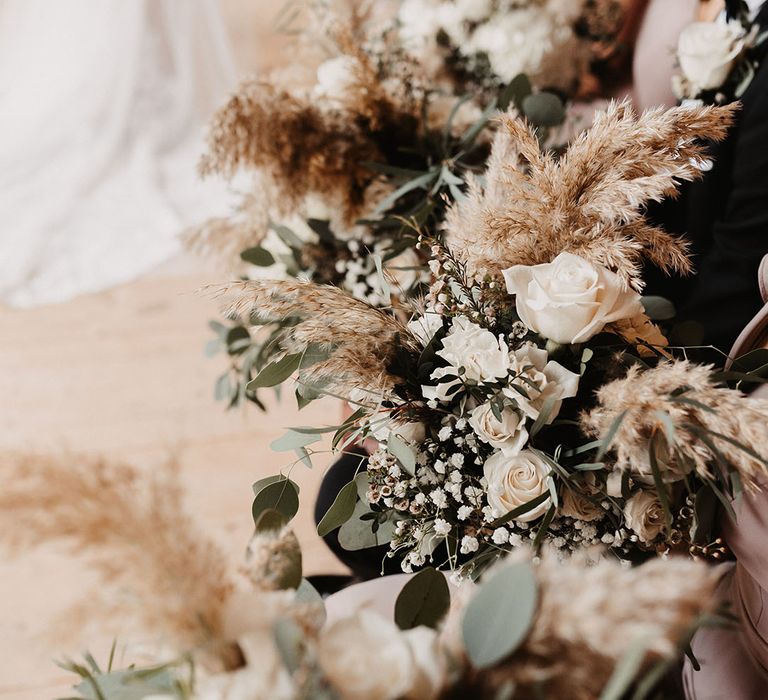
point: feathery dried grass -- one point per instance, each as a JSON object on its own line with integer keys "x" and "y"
{"x": 590, "y": 202}
{"x": 301, "y": 147}
{"x": 364, "y": 339}
{"x": 644, "y": 397}
{"x": 590, "y": 616}
{"x": 133, "y": 528}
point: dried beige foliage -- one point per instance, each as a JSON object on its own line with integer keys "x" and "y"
{"x": 591, "y": 201}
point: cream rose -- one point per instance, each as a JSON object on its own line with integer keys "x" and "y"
{"x": 508, "y": 434}
{"x": 576, "y": 506}
{"x": 706, "y": 52}
{"x": 551, "y": 378}
{"x": 513, "y": 481}
{"x": 365, "y": 657}
{"x": 644, "y": 515}
{"x": 570, "y": 299}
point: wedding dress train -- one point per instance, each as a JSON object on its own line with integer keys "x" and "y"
{"x": 102, "y": 109}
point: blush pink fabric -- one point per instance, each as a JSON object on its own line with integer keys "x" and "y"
{"x": 734, "y": 662}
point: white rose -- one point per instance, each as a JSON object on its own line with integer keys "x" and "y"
{"x": 482, "y": 355}
{"x": 551, "y": 378}
{"x": 405, "y": 270}
{"x": 644, "y": 515}
{"x": 569, "y": 300}
{"x": 365, "y": 657}
{"x": 508, "y": 434}
{"x": 706, "y": 52}
{"x": 425, "y": 326}
{"x": 513, "y": 481}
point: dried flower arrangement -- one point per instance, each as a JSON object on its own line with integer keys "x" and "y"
{"x": 381, "y": 142}
{"x": 568, "y": 632}
{"x": 532, "y": 397}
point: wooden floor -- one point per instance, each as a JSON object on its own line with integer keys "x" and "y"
{"x": 123, "y": 373}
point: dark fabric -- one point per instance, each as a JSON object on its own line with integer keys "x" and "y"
{"x": 725, "y": 217}
{"x": 364, "y": 564}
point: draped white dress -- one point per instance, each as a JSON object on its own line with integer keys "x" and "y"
{"x": 102, "y": 109}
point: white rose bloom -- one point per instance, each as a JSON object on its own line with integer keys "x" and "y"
{"x": 513, "y": 481}
{"x": 405, "y": 269}
{"x": 508, "y": 434}
{"x": 644, "y": 515}
{"x": 365, "y": 657}
{"x": 482, "y": 355}
{"x": 425, "y": 326}
{"x": 706, "y": 52}
{"x": 551, "y": 377}
{"x": 570, "y": 300}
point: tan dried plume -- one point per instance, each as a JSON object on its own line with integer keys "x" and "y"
{"x": 704, "y": 408}
{"x": 588, "y": 618}
{"x": 135, "y": 532}
{"x": 591, "y": 201}
{"x": 364, "y": 339}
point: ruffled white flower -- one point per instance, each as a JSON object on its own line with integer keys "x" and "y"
{"x": 516, "y": 480}
{"x": 335, "y": 78}
{"x": 570, "y": 299}
{"x": 484, "y": 356}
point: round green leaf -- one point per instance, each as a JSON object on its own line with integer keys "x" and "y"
{"x": 544, "y": 109}
{"x": 424, "y": 600}
{"x": 340, "y": 511}
{"x": 499, "y": 616}
{"x": 281, "y": 495}
{"x": 258, "y": 256}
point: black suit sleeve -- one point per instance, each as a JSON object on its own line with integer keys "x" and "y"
{"x": 725, "y": 294}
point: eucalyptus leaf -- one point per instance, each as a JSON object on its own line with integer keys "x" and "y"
{"x": 281, "y": 495}
{"x": 424, "y": 600}
{"x": 658, "y": 308}
{"x": 292, "y": 440}
{"x": 499, "y": 616}
{"x": 404, "y": 454}
{"x": 276, "y": 372}
{"x": 289, "y": 640}
{"x": 515, "y": 92}
{"x": 356, "y": 533}
{"x": 544, "y": 109}
{"x": 340, "y": 511}
{"x": 258, "y": 256}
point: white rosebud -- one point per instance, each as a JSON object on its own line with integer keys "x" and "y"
{"x": 508, "y": 434}
{"x": 514, "y": 481}
{"x": 570, "y": 299}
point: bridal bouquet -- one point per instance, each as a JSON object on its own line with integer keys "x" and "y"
{"x": 213, "y": 630}
{"x": 376, "y": 146}
{"x": 533, "y": 398}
